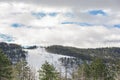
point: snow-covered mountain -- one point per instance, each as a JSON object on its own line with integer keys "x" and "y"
{"x": 37, "y": 56}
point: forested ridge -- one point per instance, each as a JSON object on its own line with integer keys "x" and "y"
{"x": 13, "y": 51}
{"x": 82, "y": 64}
{"x": 13, "y": 63}
{"x": 108, "y": 54}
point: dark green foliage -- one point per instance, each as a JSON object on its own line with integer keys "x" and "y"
{"x": 96, "y": 70}
{"x": 5, "y": 67}
{"x": 100, "y": 71}
{"x": 69, "y": 51}
{"x": 107, "y": 54}
{"x": 48, "y": 72}
{"x": 13, "y": 51}
{"x": 13, "y": 65}
{"x": 104, "y": 67}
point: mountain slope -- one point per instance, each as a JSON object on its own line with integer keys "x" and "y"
{"x": 108, "y": 54}
{"x": 13, "y": 51}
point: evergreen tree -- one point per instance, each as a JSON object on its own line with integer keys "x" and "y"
{"x": 96, "y": 70}
{"x": 5, "y": 67}
{"x": 99, "y": 71}
{"x": 48, "y": 72}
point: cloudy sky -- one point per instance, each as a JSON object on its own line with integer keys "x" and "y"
{"x": 78, "y": 23}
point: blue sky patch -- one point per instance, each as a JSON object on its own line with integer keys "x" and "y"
{"x": 39, "y": 15}
{"x": 97, "y": 12}
{"x": 117, "y": 25}
{"x": 6, "y": 37}
{"x": 78, "y": 23}
{"x": 53, "y": 14}
{"x": 17, "y": 25}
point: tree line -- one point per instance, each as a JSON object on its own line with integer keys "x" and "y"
{"x": 95, "y": 70}
{"x": 85, "y": 64}
{"x": 111, "y": 54}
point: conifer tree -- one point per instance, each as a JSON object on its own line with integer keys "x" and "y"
{"x": 48, "y": 72}
{"x": 100, "y": 71}
{"x": 5, "y": 67}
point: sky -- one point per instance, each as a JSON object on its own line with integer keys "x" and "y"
{"x": 77, "y": 23}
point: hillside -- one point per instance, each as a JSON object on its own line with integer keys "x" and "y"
{"x": 68, "y": 61}
{"x": 13, "y": 51}
{"x": 107, "y": 54}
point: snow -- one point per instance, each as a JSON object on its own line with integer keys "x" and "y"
{"x": 37, "y": 57}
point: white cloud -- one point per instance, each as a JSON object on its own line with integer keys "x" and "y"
{"x": 50, "y": 31}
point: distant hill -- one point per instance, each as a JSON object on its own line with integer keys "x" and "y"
{"x": 13, "y": 51}
{"x": 16, "y": 52}
{"x": 107, "y": 54}
{"x": 30, "y": 47}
